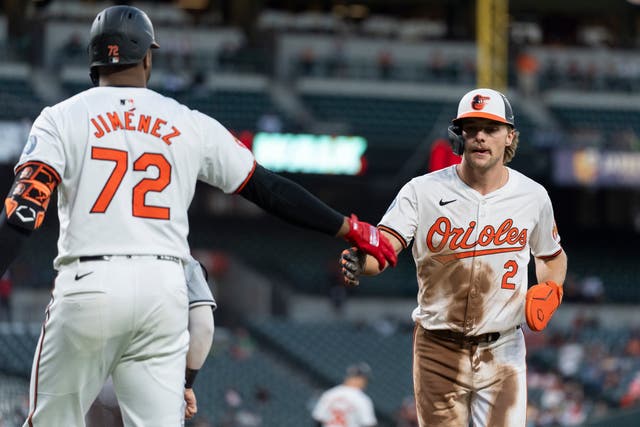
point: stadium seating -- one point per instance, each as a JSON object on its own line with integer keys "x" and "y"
{"x": 619, "y": 277}
{"x": 326, "y": 349}
{"x": 17, "y": 345}
{"x": 286, "y": 395}
{"x": 384, "y": 122}
{"x": 13, "y": 399}
{"x": 18, "y": 99}
{"x": 606, "y": 121}
{"x": 236, "y": 110}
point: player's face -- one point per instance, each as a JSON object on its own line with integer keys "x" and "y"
{"x": 485, "y": 142}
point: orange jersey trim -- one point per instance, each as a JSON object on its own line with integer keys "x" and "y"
{"x": 484, "y": 116}
{"x": 548, "y": 257}
{"x": 395, "y": 234}
{"x": 244, "y": 183}
{"x": 447, "y": 258}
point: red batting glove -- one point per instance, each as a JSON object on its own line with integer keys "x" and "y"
{"x": 368, "y": 239}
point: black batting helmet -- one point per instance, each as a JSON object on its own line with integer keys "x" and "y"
{"x": 120, "y": 35}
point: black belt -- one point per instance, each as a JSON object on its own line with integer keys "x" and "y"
{"x": 465, "y": 340}
{"x": 109, "y": 257}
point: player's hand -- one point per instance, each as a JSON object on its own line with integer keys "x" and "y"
{"x": 191, "y": 407}
{"x": 542, "y": 301}
{"x": 368, "y": 239}
{"x": 352, "y": 265}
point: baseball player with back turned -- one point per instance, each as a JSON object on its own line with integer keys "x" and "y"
{"x": 473, "y": 227}
{"x": 347, "y": 405}
{"x": 105, "y": 411}
{"x": 125, "y": 161}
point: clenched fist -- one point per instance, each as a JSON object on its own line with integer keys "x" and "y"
{"x": 191, "y": 405}
{"x": 352, "y": 264}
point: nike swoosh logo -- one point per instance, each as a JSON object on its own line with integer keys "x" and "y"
{"x": 442, "y": 203}
{"x": 78, "y": 277}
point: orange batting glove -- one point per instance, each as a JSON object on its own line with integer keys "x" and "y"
{"x": 543, "y": 300}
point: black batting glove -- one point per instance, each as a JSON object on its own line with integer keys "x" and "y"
{"x": 352, "y": 264}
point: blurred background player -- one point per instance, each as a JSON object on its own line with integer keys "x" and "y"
{"x": 347, "y": 405}
{"x": 105, "y": 411}
{"x": 473, "y": 228}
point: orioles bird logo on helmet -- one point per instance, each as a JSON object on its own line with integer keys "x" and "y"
{"x": 478, "y": 102}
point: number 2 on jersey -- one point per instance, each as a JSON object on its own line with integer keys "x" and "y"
{"x": 512, "y": 268}
{"x": 145, "y": 185}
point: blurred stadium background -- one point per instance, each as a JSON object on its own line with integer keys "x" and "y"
{"x": 351, "y": 98}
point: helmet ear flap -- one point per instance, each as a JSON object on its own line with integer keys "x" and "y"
{"x": 93, "y": 74}
{"x": 456, "y": 139}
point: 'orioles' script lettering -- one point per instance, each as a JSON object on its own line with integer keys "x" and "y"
{"x": 110, "y": 122}
{"x": 506, "y": 238}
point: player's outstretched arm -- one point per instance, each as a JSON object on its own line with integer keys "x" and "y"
{"x": 294, "y": 204}
{"x": 543, "y": 299}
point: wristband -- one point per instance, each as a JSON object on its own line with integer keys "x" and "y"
{"x": 190, "y": 377}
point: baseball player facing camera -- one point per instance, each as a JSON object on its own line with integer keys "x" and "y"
{"x": 125, "y": 161}
{"x": 473, "y": 227}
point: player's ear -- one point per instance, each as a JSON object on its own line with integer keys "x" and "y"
{"x": 146, "y": 61}
{"x": 510, "y": 136}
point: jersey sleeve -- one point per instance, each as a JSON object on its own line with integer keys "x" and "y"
{"x": 545, "y": 240}
{"x": 367, "y": 414}
{"x": 401, "y": 218}
{"x": 319, "y": 412}
{"x": 226, "y": 163}
{"x": 44, "y": 144}
{"x": 197, "y": 286}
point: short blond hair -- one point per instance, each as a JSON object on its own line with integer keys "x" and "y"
{"x": 510, "y": 150}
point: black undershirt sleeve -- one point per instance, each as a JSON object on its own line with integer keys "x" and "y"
{"x": 291, "y": 202}
{"x": 12, "y": 239}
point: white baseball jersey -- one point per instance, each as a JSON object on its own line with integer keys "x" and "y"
{"x": 344, "y": 406}
{"x": 471, "y": 250}
{"x": 129, "y": 159}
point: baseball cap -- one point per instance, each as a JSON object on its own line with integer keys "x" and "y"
{"x": 487, "y": 104}
{"x": 360, "y": 369}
